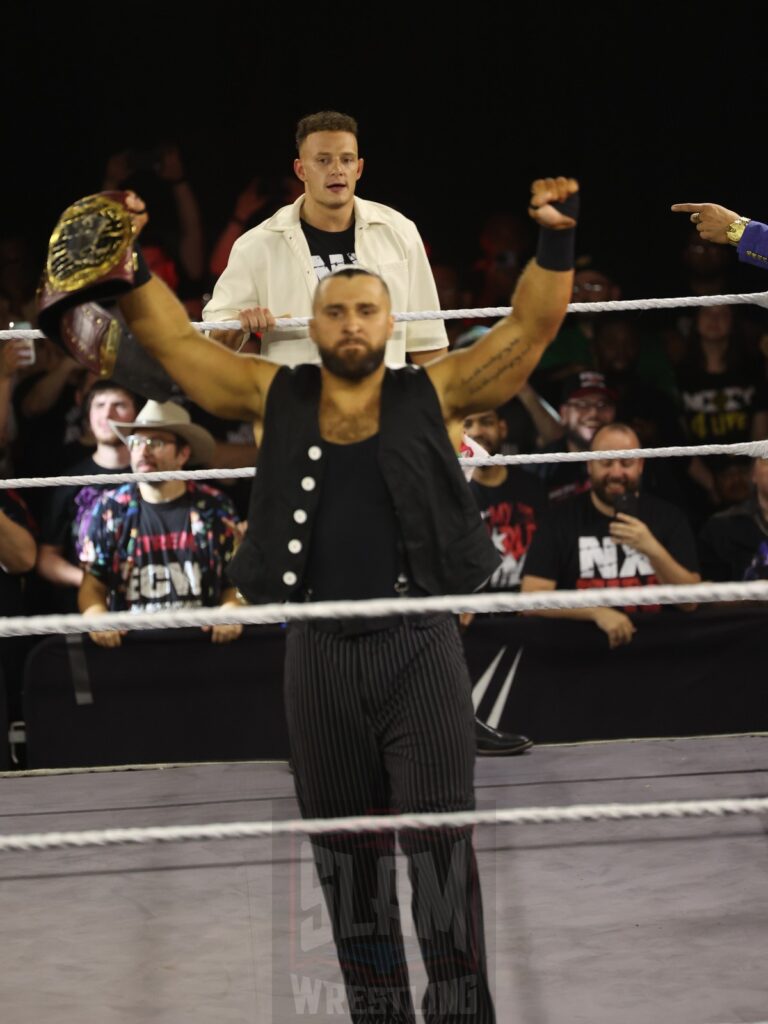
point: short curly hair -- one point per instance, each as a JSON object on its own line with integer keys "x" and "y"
{"x": 324, "y": 121}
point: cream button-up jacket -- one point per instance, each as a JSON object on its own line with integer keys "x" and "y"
{"x": 271, "y": 266}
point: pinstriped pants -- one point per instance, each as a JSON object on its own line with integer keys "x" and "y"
{"x": 383, "y": 722}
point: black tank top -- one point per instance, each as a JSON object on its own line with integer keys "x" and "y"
{"x": 354, "y": 551}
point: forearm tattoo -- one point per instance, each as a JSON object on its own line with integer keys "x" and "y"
{"x": 497, "y": 364}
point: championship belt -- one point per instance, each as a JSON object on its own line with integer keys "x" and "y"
{"x": 91, "y": 262}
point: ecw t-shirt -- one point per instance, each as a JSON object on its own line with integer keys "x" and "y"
{"x": 573, "y": 547}
{"x": 173, "y": 554}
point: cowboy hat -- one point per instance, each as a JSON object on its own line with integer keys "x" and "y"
{"x": 175, "y": 419}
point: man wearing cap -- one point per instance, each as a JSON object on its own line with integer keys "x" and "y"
{"x": 274, "y": 267}
{"x": 160, "y": 545}
{"x": 588, "y": 404}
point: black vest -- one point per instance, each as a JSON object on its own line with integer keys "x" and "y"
{"x": 448, "y": 548}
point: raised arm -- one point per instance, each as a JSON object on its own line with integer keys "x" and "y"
{"x": 226, "y": 384}
{"x": 170, "y": 169}
{"x": 495, "y": 368}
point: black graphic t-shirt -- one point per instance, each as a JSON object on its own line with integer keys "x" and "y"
{"x": 573, "y": 547}
{"x": 561, "y": 480}
{"x": 173, "y": 554}
{"x": 330, "y": 249}
{"x": 167, "y": 572}
{"x": 68, "y": 513}
{"x": 511, "y": 513}
{"x": 718, "y": 407}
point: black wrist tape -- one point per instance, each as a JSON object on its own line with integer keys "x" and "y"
{"x": 556, "y": 250}
{"x": 141, "y": 273}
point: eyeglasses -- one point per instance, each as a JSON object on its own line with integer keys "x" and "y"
{"x": 589, "y": 286}
{"x": 135, "y": 441}
{"x": 584, "y": 405}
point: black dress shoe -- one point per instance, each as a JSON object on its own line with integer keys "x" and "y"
{"x": 491, "y": 742}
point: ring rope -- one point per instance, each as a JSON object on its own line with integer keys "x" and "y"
{"x": 753, "y": 449}
{"x": 492, "y": 312}
{"x": 697, "y": 593}
{"x": 16, "y": 483}
{"x": 382, "y": 607}
{"x": 384, "y": 823}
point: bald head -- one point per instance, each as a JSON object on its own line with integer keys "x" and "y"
{"x": 614, "y": 436}
{"x": 612, "y": 478}
{"x": 355, "y": 275}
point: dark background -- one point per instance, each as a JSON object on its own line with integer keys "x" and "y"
{"x": 458, "y": 110}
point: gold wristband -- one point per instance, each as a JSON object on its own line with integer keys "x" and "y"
{"x": 735, "y": 230}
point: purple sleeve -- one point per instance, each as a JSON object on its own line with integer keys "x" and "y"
{"x": 753, "y": 245}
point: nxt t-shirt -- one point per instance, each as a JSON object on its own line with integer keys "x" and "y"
{"x": 573, "y": 547}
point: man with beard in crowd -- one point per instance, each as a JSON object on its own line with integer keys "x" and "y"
{"x": 615, "y": 535}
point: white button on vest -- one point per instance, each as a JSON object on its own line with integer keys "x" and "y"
{"x": 289, "y": 578}
{"x": 315, "y": 452}
{"x": 308, "y": 483}
{"x": 294, "y": 546}
{"x": 299, "y": 516}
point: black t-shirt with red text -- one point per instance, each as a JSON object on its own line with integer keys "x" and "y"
{"x": 573, "y": 547}
{"x": 511, "y": 512}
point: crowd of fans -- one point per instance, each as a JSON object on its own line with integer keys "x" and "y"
{"x": 691, "y": 376}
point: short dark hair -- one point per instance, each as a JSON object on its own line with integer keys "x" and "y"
{"x": 353, "y": 272}
{"x": 324, "y": 121}
{"x": 107, "y": 384}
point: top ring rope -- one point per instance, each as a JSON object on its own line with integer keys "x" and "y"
{"x": 753, "y": 449}
{"x": 493, "y": 312}
{"x": 262, "y": 614}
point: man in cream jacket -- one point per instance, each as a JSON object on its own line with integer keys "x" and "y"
{"x": 274, "y": 268}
